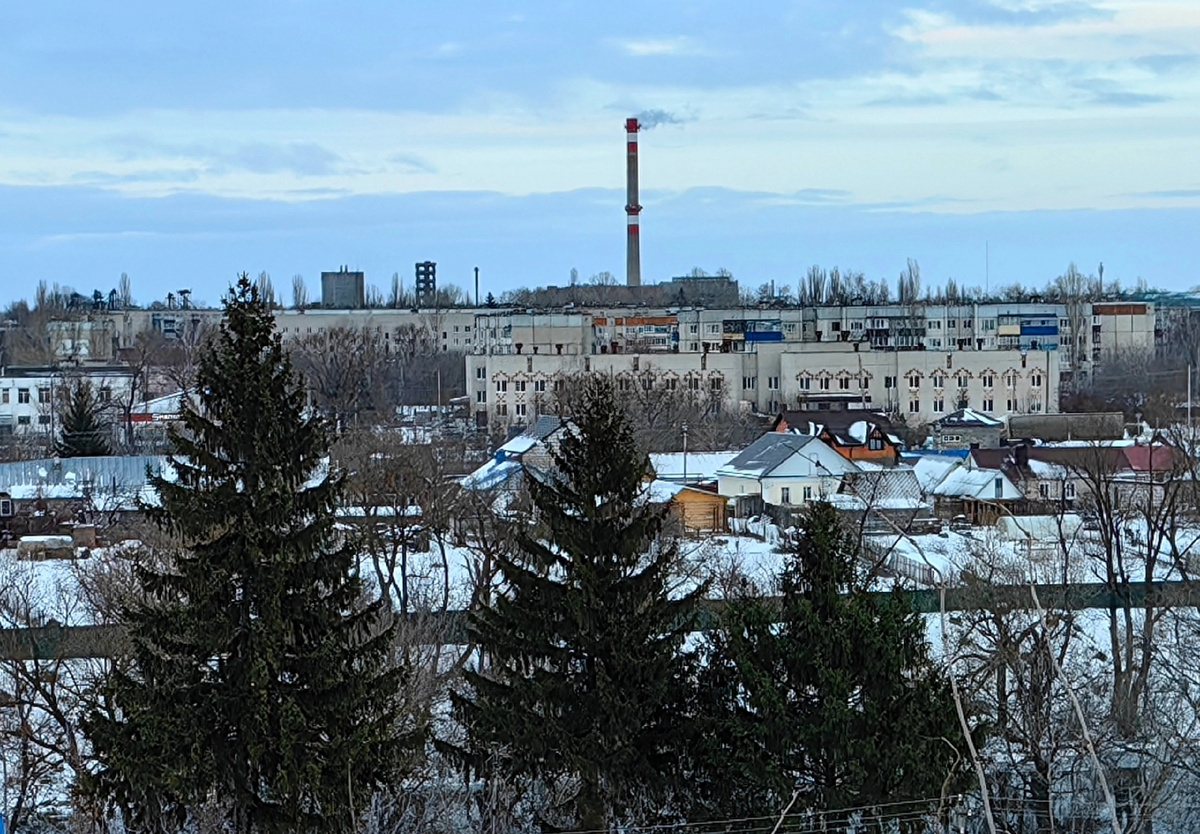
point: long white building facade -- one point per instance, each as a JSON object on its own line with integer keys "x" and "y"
{"x": 920, "y": 386}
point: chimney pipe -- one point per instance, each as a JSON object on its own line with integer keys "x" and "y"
{"x": 633, "y": 254}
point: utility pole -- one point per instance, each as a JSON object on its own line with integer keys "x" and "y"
{"x": 685, "y": 436}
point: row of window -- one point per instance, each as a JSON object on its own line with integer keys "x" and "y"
{"x": 987, "y": 404}
{"x": 24, "y": 395}
{"x": 939, "y": 380}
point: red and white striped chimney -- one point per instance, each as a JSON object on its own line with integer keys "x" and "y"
{"x": 633, "y": 253}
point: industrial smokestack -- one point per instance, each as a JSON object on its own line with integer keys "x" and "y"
{"x": 633, "y": 253}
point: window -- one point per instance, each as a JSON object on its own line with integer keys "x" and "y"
{"x": 939, "y": 381}
{"x": 748, "y": 383}
{"x": 951, "y": 438}
{"x": 1069, "y": 490}
{"x": 785, "y": 495}
{"x": 844, "y": 384}
{"x": 914, "y": 406}
{"x": 1035, "y": 380}
{"x": 539, "y": 385}
{"x": 835, "y": 327}
{"x": 519, "y": 386}
{"x": 824, "y": 383}
{"x": 856, "y": 325}
{"x": 1035, "y": 406}
{"x": 1010, "y": 404}
{"x": 1010, "y": 379}
{"x": 878, "y": 324}
{"x": 805, "y": 383}
{"x": 935, "y": 343}
{"x": 772, "y": 383}
{"x": 481, "y": 372}
{"x": 502, "y": 409}
{"x": 934, "y": 325}
{"x": 694, "y": 384}
{"x": 22, "y": 419}
{"x": 987, "y": 380}
{"x": 808, "y": 493}
{"x": 43, "y": 419}
{"x": 693, "y": 328}
{"x": 714, "y": 328}
{"x": 914, "y": 381}
{"x": 481, "y": 396}
{"x": 647, "y": 382}
{"x": 875, "y": 444}
{"x": 623, "y": 384}
{"x": 22, "y": 395}
{"x": 520, "y": 409}
{"x": 962, "y": 380}
{"x": 939, "y": 405}
{"x": 714, "y": 384}
{"x": 501, "y": 386}
{"x": 4, "y": 396}
{"x": 5, "y": 507}
{"x": 989, "y": 404}
{"x": 889, "y": 382}
{"x": 951, "y": 323}
{"x": 998, "y": 488}
{"x": 1043, "y": 491}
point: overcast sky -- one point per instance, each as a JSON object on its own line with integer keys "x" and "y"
{"x": 185, "y": 145}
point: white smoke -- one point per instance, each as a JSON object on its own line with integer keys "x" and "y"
{"x": 650, "y": 119}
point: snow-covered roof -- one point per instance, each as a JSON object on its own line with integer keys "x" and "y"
{"x": 1039, "y": 528}
{"x": 660, "y": 492}
{"x": 931, "y": 469}
{"x": 701, "y": 466}
{"x": 969, "y": 418}
{"x": 506, "y": 462}
{"x": 492, "y": 474}
{"x": 773, "y": 449}
{"x": 961, "y": 482}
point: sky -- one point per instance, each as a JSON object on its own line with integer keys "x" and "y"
{"x": 994, "y": 141}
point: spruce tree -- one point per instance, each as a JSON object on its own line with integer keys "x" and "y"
{"x": 829, "y": 691}
{"x": 582, "y": 671}
{"x": 258, "y": 681}
{"x": 84, "y": 431}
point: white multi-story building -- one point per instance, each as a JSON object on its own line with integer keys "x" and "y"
{"x": 29, "y": 397}
{"x": 921, "y": 386}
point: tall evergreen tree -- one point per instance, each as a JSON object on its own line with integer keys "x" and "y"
{"x": 582, "y": 668}
{"x": 84, "y": 431}
{"x": 258, "y": 679}
{"x": 828, "y": 692}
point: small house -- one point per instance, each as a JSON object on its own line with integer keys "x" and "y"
{"x": 967, "y": 429}
{"x": 855, "y": 434}
{"x": 783, "y": 470}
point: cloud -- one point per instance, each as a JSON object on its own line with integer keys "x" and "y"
{"x": 1173, "y": 194}
{"x": 1107, "y": 93}
{"x": 680, "y": 45}
{"x": 410, "y": 163}
{"x": 102, "y": 178}
{"x": 304, "y": 158}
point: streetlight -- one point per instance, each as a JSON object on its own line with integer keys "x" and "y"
{"x": 685, "y": 435}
